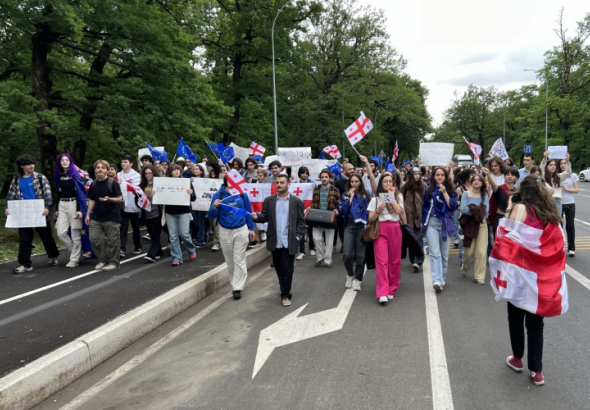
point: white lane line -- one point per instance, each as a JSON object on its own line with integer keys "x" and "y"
{"x": 442, "y": 398}
{"x": 140, "y": 358}
{"x": 582, "y": 222}
{"x": 584, "y": 281}
{"x": 585, "y": 196}
{"x": 53, "y": 285}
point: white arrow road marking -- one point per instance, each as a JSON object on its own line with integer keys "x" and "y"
{"x": 292, "y": 328}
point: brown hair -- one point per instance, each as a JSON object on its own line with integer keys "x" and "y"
{"x": 538, "y": 200}
{"x": 171, "y": 168}
{"x": 484, "y": 185}
{"x": 552, "y": 178}
{"x": 361, "y": 191}
{"x": 500, "y": 163}
{"x": 448, "y": 183}
{"x": 102, "y": 162}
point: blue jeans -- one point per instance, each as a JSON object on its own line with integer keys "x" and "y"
{"x": 178, "y": 226}
{"x": 438, "y": 250}
{"x": 558, "y": 205}
{"x": 199, "y": 228}
{"x": 456, "y": 216}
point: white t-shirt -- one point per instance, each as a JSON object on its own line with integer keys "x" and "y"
{"x": 500, "y": 180}
{"x": 568, "y": 197}
{"x": 385, "y": 215}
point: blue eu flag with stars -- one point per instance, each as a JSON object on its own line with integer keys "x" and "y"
{"x": 226, "y": 154}
{"x": 185, "y": 151}
{"x": 336, "y": 170}
{"x": 157, "y": 155}
{"x": 212, "y": 147}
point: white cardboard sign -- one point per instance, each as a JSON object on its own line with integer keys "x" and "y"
{"x": 205, "y": 188}
{"x": 289, "y": 155}
{"x": 25, "y": 214}
{"x": 436, "y": 153}
{"x": 314, "y": 165}
{"x": 557, "y": 151}
{"x": 171, "y": 191}
{"x": 146, "y": 151}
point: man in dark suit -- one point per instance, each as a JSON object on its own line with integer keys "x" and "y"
{"x": 286, "y": 226}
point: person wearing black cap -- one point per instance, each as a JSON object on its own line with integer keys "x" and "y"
{"x": 25, "y": 186}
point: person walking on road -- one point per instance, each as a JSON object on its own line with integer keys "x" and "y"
{"x": 388, "y": 245}
{"x": 569, "y": 187}
{"x": 235, "y": 232}
{"x": 129, "y": 179}
{"x": 103, "y": 216}
{"x": 286, "y": 226}
{"x": 440, "y": 201}
{"x": 71, "y": 207}
{"x": 178, "y": 218}
{"x": 353, "y": 210}
{"x": 215, "y": 172}
{"x": 198, "y": 224}
{"x": 325, "y": 197}
{"x": 303, "y": 175}
{"x": 554, "y": 177}
{"x": 413, "y": 193}
{"x": 28, "y": 185}
{"x": 153, "y": 217}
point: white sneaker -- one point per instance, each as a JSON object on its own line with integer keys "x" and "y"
{"x": 300, "y": 256}
{"x": 72, "y": 264}
{"x": 383, "y": 300}
{"x": 110, "y": 266}
{"x": 22, "y": 269}
{"x": 390, "y": 297}
{"x": 437, "y": 286}
{"x": 262, "y": 236}
{"x": 572, "y": 253}
{"x": 53, "y": 262}
{"x": 356, "y": 285}
{"x": 312, "y": 252}
{"x": 416, "y": 267}
{"x": 99, "y": 266}
{"x": 349, "y": 281}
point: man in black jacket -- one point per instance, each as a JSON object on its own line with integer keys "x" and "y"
{"x": 286, "y": 226}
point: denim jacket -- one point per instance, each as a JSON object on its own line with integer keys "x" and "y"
{"x": 357, "y": 210}
{"x": 436, "y": 207}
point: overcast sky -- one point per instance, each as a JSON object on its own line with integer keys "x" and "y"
{"x": 451, "y": 44}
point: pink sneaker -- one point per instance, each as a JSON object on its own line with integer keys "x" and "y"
{"x": 537, "y": 377}
{"x": 193, "y": 256}
{"x": 514, "y": 363}
{"x": 175, "y": 263}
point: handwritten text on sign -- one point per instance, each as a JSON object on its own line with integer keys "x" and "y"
{"x": 436, "y": 153}
{"x": 289, "y": 155}
{"x": 557, "y": 152}
{"x": 171, "y": 191}
{"x": 205, "y": 188}
{"x": 25, "y": 214}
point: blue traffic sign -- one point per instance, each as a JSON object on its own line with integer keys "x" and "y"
{"x": 528, "y": 149}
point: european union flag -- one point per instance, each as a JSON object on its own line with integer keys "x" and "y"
{"x": 157, "y": 155}
{"x": 378, "y": 159}
{"x": 226, "y": 154}
{"x": 237, "y": 211}
{"x": 258, "y": 158}
{"x": 212, "y": 147}
{"x": 185, "y": 151}
{"x": 335, "y": 169}
{"x": 390, "y": 168}
{"x": 321, "y": 155}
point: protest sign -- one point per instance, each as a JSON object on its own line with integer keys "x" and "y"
{"x": 557, "y": 151}
{"x": 171, "y": 191}
{"x": 239, "y": 152}
{"x": 289, "y": 155}
{"x": 499, "y": 150}
{"x": 387, "y": 197}
{"x": 436, "y": 153}
{"x": 314, "y": 165}
{"x": 270, "y": 159}
{"x": 25, "y": 214}
{"x": 205, "y": 188}
{"x": 146, "y": 151}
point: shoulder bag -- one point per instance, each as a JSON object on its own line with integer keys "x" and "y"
{"x": 371, "y": 231}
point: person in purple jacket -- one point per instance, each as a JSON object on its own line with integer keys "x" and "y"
{"x": 440, "y": 201}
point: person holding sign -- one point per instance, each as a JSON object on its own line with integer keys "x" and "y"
{"x": 29, "y": 185}
{"x": 153, "y": 217}
{"x": 440, "y": 201}
{"x": 569, "y": 187}
{"x": 388, "y": 245}
{"x": 554, "y": 178}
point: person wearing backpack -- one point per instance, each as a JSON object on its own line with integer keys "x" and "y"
{"x": 235, "y": 232}
{"x": 105, "y": 200}
{"x": 29, "y": 185}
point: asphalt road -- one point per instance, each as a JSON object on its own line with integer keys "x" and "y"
{"x": 422, "y": 351}
{"x": 36, "y": 318}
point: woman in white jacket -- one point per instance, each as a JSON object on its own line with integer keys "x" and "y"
{"x": 554, "y": 178}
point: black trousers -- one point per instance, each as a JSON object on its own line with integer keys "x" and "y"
{"x": 154, "y": 225}
{"x": 285, "y": 266}
{"x": 569, "y": 210}
{"x": 25, "y": 244}
{"x": 354, "y": 249}
{"x": 126, "y": 217}
{"x": 517, "y": 319}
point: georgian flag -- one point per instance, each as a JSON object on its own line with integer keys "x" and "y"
{"x": 143, "y": 202}
{"x": 476, "y": 149}
{"x": 258, "y": 192}
{"x": 333, "y": 151}
{"x": 395, "y": 152}
{"x": 358, "y": 129}
{"x": 82, "y": 173}
{"x": 527, "y": 266}
{"x": 235, "y": 182}
{"x": 257, "y": 149}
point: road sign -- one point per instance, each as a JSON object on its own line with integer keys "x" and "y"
{"x": 382, "y": 154}
{"x": 528, "y": 149}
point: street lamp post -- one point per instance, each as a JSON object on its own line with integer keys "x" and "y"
{"x": 274, "y": 79}
{"x": 546, "y": 106}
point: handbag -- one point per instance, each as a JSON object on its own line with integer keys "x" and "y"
{"x": 371, "y": 231}
{"x": 318, "y": 218}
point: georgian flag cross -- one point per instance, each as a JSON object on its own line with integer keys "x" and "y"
{"x": 358, "y": 129}
{"x": 333, "y": 151}
{"x": 395, "y": 152}
{"x": 257, "y": 149}
{"x": 476, "y": 149}
{"x": 234, "y": 182}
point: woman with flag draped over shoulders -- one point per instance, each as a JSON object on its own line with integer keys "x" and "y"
{"x": 528, "y": 270}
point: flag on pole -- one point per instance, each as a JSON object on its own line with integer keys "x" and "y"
{"x": 257, "y": 149}
{"x": 527, "y": 266}
{"x": 358, "y": 129}
{"x": 395, "y": 153}
{"x": 235, "y": 182}
{"x": 157, "y": 155}
{"x": 335, "y": 169}
{"x": 186, "y": 152}
{"x": 499, "y": 150}
{"x": 476, "y": 149}
{"x": 333, "y": 151}
{"x": 226, "y": 153}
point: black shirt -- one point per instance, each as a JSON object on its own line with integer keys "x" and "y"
{"x": 67, "y": 189}
{"x": 105, "y": 211}
{"x": 341, "y": 185}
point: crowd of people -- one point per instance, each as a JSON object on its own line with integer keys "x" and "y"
{"x": 436, "y": 207}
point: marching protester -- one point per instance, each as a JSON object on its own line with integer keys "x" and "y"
{"x": 475, "y": 205}
{"x": 341, "y": 184}
{"x": 463, "y": 185}
{"x": 275, "y": 169}
{"x": 569, "y": 187}
{"x": 28, "y": 185}
{"x": 528, "y": 161}
{"x": 303, "y": 175}
{"x": 153, "y": 217}
{"x": 372, "y": 167}
{"x": 532, "y": 227}
{"x": 286, "y": 226}
{"x": 112, "y": 171}
{"x": 250, "y": 174}
{"x": 71, "y": 206}
{"x": 503, "y": 193}
{"x": 440, "y": 202}
{"x": 236, "y": 231}
{"x": 199, "y": 224}
{"x": 178, "y": 219}
{"x": 353, "y": 211}
{"x": 188, "y": 172}
{"x": 129, "y": 179}
{"x": 413, "y": 194}
{"x": 325, "y": 197}
{"x": 104, "y": 207}
{"x": 215, "y": 172}
{"x": 238, "y": 165}
{"x": 554, "y": 177}
{"x": 388, "y": 245}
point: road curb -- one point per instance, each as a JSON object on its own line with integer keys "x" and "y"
{"x": 30, "y": 385}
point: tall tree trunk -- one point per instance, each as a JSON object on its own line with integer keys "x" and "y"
{"x": 238, "y": 96}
